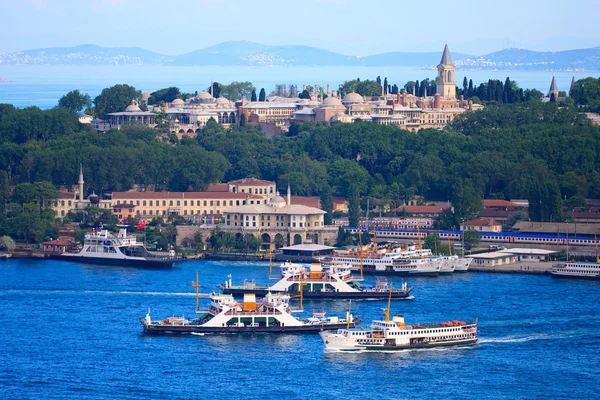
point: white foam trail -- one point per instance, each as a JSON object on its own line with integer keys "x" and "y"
{"x": 517, "y": 339}
{"x": 197, "y": 333}
{"x": 109, "y": 292}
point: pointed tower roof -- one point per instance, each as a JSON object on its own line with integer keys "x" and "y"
{"x": 553, "y": 88}
{"x": 446, "y": 60}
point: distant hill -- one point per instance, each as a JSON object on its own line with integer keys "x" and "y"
{"x": 84, "y": 54}
{"x": 245, "y": 53}
{"x": 588, "y": 59}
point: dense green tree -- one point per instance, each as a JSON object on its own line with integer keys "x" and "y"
{"x": 586, "y": 93}
{"x": 471, "y": 239}
{"x": 327, "y": 204}
{"x": 304, "y": 94}
{"x": 253, "y": 95}
{"x": 75, "y": 101}
{"x": 215, "y": 90}
{"x": 238, "y": 90}
{"x": 166, "y": 95}
{"x": 262, "y": 96}
{"x": 364, "y": 88}
{"x": 115, "y": 99}
{"x": 354, "y": 207}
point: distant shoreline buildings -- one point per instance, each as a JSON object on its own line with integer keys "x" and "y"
{"x": 276, "y": 114}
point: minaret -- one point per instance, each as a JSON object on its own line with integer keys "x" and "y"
{"x": 553, "y": 89}
{"x": 446, "y": 86}
{"x": 289, "y": 196}
{"x": 80, "y": 182}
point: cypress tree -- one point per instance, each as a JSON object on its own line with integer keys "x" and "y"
{"x": 470, "y": 91}
{"x": 508, "y": 90}
{"x": 465, "y": 91}
{"x": 385, "y": 86}
{"x": 327, "y": 204}
{"x": 262, "y": 96}
{"x": 253, "y": 96}
{"x": 354, "y": 207}
{"x": 417, "y": 89}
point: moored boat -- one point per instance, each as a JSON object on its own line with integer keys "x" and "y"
{"x": 333, "y": 282}
{"x": 102, "y": 247}
{"x": 576, "y": 270}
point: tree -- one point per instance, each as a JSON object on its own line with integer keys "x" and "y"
{"x": 75, "y": 101}
{"x": 471, "y": 239}
{"x": 162, "y": 120}
{"x": 262, "y": 96}
{"x": 47, "y": 193}
{"x": 7, "y": 244}
{"x": 354, "y": 207}
{"x": 115, "y": 99}
{"x": 166, "y": 95}
{"x": 253, "y": 95}
{"x": 327, "y": 204}
{"x": 385, "y": 85}
{"x": 305, "y": 94}
{"x": 25, "y": 193}
{"x": 215, "y": 90}
{"x": 238, "y": 90}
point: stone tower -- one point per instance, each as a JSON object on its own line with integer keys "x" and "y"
{"x": 446, "y": 87}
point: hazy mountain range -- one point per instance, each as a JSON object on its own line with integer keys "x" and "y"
{"x": 243, "y": 53}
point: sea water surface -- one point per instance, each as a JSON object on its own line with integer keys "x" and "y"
{"x": 43, "y": 85}
{"x": 71, "y": 330}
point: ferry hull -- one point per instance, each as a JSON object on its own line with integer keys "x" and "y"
{"x": 323, "y": 295}
{"x": 125, "y": 262}
{"x": 566, "y": 276}
{"x": 469, "y": 342}
{"x": 187, "y": 329}
{"x": 401, "y": 273}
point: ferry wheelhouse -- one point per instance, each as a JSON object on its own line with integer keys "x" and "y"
{"x": 102, "y": 247}
{"x": 334, "y": 281}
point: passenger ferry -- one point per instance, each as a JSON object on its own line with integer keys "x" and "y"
{"x": 576, "y": 270}
{"x": 409, "y": 262}
{"x": 333, "y": 282}
{"x": 396, "y": 335}
{"x": 225, "y": 315}
{"x": 102, "y": 247}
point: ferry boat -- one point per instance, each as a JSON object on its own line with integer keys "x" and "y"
{"x": 102, "y": 247}
{"x": 576, "y": 270}
{"x": 225, "y": 315}
{"x": 335, "y": 282}
{"x": 396, "y": 335}
{"x": 409, "y": 262}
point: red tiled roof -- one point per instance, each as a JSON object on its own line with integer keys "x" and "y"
{"x": 498, "y": 203}
{"x": 65, "y": 195}
{"x": 218, "y": 187}
{"x": 183, "y": 195}
{"x": 309, "y": 201}
{"x": 339, "y": 200}
{"x": 251, "y": 182}
{"x": 482, "y": 222}
{"x": 423, "y": 209}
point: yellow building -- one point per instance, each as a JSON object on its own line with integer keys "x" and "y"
{"x": 481, "y": 225}
{"x": 152, "y": 204}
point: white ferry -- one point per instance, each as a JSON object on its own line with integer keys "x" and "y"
{"x": 226, "y": 315}
{"x": 409, "y": 262}
{"x": 335, "y": 281}
{"x": 574, "y": 269}
{"x": 102, "y": 247}
{"x": 396, "y": 335}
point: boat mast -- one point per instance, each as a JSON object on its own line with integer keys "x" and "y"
{"x": 360, "y": 259}
{"x": 196, "y": 284}
{"x": 387, "y": 312}
{"x": 449, "y": 246}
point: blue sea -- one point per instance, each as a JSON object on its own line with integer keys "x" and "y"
{"x": 43, "y": 85}
{"x": 71, "y": 331}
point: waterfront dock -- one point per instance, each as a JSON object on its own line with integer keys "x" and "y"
{"x": 536, "y": 268}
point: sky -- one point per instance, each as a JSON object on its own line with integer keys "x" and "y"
{"x": 353, "y": 27}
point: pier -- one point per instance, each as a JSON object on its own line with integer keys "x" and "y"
{"x": 535, "y": 268}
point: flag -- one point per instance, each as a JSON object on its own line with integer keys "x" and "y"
{"x": 142, "y": 224}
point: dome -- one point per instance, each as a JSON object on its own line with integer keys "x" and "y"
{"x": 222, "y": 100}
{"x": 94, "y": 199}
{"x": 352, "y": 98}
{"x": 146, "y": 95}
{"x": 277, "y": 201}
{"x": 133, "y": 108}
{"x": 204, "y": 95}
{"x": 177, "y": 102}
{"x": 331, "y": 101}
